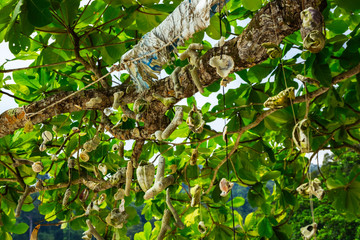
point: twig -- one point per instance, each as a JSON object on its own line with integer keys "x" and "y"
{"x": 17, "y": 98}
{"x": 22, "y": 200}
{"x": 34, "y": 67}
{"x": 178, "y": 221}
{"x": 164, "y": 224}
{"x": 93, "y": 230}
{"x": 244, "y": 129}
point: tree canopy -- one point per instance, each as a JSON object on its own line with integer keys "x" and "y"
{"x": 86, "y": 145}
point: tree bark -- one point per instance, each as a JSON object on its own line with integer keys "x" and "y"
{"x": 272, "y": 23}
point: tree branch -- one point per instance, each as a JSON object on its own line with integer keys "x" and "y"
{"x": 34, "y": 67}
{"x": 243, "y": 53}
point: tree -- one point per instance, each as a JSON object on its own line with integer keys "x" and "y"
{"x": 65, "y": 133}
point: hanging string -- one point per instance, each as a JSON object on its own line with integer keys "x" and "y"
{"x": 227, "y": 164}
{"x": 225, "y": 122}
{"x": 310, "y": 194}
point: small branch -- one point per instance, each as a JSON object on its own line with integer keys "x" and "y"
{"x": 35, "y": 67}
{"x": 22, "y": 200}
{"x": 129, "y": 174}
{"x": 352, "y": 180}
{"x": 178, "y": 221}
{"x": 160, "y": 182}
{"x": 8, "y": 180}
{"x": 17, "y": 98}
{"x": 93, "y": 231}
{"x": 164, "y": 224}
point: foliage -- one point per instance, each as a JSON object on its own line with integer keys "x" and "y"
{"x": 332, "y": 224}
{"x": 71, "y": 45}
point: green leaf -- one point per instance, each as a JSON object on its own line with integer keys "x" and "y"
{"x": 213, "y": 30}
{"x": 190, "y": 218}
{"x": 20, "y": 228}
{"x": 250, "y": 221}
{"x": 69, "y": 10}
{"x": 337, "y": 26}
{"x": 38, "y": 12}
{"x": 289, "y": 198}
{"x": 147, "y": 230}
{"x": 322, "y": 73}
{"x": 264, "y": 228}
{"x": 349, "y": 5}
{"x": 238, "y": 202}
{"x": 270, "y": 175}
{"x": 252, "y": 5}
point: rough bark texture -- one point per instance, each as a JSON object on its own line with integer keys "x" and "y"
{"x": 271, "y": 24}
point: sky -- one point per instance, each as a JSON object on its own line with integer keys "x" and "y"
{"x": 7, "y": 102}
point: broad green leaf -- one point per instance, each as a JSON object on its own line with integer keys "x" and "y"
{"x": 338, "y": 26}
{"x": 213, "y": 30}
{"x": 270, "y": 175}
{"x": 264, "y": 228}
{"x": 250, "y": 221}
{"x": 19, "y": 228}
{"x": 237, "y": 202}
{"x": 38, "y": 12}
{"x": 252, "y": 5}
{"x": 190, "y": 218}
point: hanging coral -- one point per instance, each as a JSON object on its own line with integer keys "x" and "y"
{"x": 280, "y": 100}
{"x": 225, "y": 187}
{"x": 145, "y": 175}
{"x": 313, "y": 187}
{"x": 312, "y": 30}
{"x": 308, "y": 231}
{"x": 300, "y": 136}
{"x": 195, "y": 120}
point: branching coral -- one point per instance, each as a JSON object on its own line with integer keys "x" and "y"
{"x": 129, "y": 174}
{"x": 178, "y": 221}
{"x": 117, "y": 99}
{"x": 91, "y": 231}
{"x": 164, "y": 224}
{"x": 161, "y": 182}
{"x": 177, "y": 86}
{"x": 167, "y": 102}
{"x": 175, "y": 122}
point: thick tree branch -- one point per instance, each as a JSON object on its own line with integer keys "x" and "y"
{"x": 245, "y": 50}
